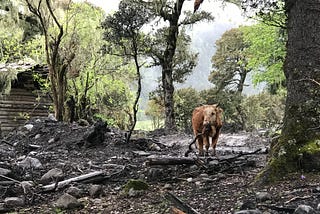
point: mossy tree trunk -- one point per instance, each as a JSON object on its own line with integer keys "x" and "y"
{"x": 298, "y": 148}
{"x": 167, "y": 63}
{"x": 58, "y": 64}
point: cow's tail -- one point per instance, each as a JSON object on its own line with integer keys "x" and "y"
{"x": 190, "y": 145}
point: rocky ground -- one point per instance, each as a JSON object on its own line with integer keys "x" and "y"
{"x": 52, "y": 167}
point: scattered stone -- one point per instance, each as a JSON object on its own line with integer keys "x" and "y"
{"x": 30, "y": 163}
{"x": 213, "y": 163}
{"x": 154, "y": 147}
{"x": 75, "y": 192}
{"x": 52, "y": 175}
{"x": 167, "y": 187}
{"x": 304, "y": 209}
{"x": 95, "y": 191}
{"x": 67, "y": 201}
{"x": 14, "y": 202}
{"x": 52, "y": 117}
{"x": 28, "y": 127}
{"x": 154, "y": 173}
{"x": 248, "y": 205}
{"x": 263, "y": 196}
{"x": 96, "y": 134}
{"x": 141, "y": 153}
{"x": 204, "y": 175}
{"x": 37, "y": 136}
{"x": 51, "y": 140}
{"x": 135, "y": 193}
{"x": 26, "y": 186}
{"x": 3, "y": 208}
{"x": 189, "y": 180}
{"x": 4, "y": 172}
{"x": 198, "y": 183}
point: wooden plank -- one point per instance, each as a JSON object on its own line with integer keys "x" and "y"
{"x": 19, "y": 102}
{"x": 33, "y": 114}
{"x": 23, "y": 108}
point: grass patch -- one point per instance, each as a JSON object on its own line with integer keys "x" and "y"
{"x": 145, "y": 125}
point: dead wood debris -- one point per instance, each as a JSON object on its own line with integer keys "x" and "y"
{"x": 92, "y": 177}
{"x": 179, "y": 203}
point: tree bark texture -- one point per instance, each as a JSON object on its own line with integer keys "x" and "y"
{"x": 299, "y": 145}
{"x": 167, "y": 67}
{"x": 302, "y": 70}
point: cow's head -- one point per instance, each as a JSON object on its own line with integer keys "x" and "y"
{"x": 212, "y": 115}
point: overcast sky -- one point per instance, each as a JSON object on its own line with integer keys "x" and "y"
{"x": 226, "y": 16}
{"x": 230, "y": 13}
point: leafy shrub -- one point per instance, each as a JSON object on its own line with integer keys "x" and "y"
{"x": 263, "y": 110}
{"x": 186, "y": 100}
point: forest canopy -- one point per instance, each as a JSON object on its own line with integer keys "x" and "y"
{"x": 102, "y": 84}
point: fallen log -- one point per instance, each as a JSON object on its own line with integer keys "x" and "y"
{"x": 189, "y": 160}
{"x": 81, "y": 178}
{"x": 172, "y": 161}
{"x": 179, "y": 203}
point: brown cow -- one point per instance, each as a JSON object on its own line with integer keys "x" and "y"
{"x": 207, "y": 122}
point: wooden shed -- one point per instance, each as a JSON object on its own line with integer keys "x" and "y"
{"x": 25, "y": 99}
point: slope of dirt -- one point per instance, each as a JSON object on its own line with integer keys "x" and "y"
{"x": 222, "y": 185}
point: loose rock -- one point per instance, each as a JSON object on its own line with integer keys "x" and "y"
{"x": 67, "y": 201}
{"x": 304, "y": 209}
{"x": 14, "y": 202}
{"x": 52, "y": 175}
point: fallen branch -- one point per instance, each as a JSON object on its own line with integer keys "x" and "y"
{"x": 64, "y": 183}
{"x": 172, "y": 161}
{"x": 10, "y": 179}
{"x": 6, "y": 142}
{"x": 240, "y": 155}
{"x": 179, "y": 203}
{"x": 92, "y": 177}
{"x": 298, "y": 198}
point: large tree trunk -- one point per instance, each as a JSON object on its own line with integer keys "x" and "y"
{"x": 298, "y": 147}
{"x": 168, "y": 88}
{"x": 167, "y": 67}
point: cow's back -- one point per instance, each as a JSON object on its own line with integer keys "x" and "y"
{"x": 197, "y": 119}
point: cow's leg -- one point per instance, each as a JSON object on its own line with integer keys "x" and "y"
{"x": 200, "y": 145}
{"x": 215, "y": 141}
{"x": 206, "y": 143}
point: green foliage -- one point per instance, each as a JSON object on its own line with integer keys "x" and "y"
{"x": 230, "y": 62}
{"x": 98, "y": 82}
{"x": 17, "y": 35}
{"x": 248, "y": 113}
{"x": 184, "y": 59}
{"x": 135, "y": 185}
{"x": 6, "y": 79}
{"x": 156, "y": 112}
{"x": 266, "y": 53}
{"x": 263, "y": 111}
{"x": 186, "y": 100}
{"x": 123, "y": 28}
